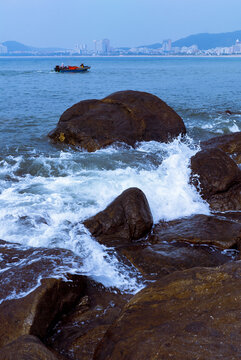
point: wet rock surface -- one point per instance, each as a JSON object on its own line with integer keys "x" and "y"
{"x": 124, "y": 116}
{"x": 191, "y": 314}
{"x": 218, "y": 178}
{"x": 190, "y": 308}
{"x": 35, "y": 313}
{"x": 21, "y": 267}
{"x": 200, "y": 229}
{"x": 126, "y": 219}
{"x": 26, "y": 347}
{"x": 77, "y": 334}
{"x": 230, "y": 144}
{"x": 157, "y": 260}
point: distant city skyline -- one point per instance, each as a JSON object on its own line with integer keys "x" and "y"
{"x": 45, "y": 23}
{"x": 215, "y": 44}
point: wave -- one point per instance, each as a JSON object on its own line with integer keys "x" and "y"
{"x": 44, "y": 199}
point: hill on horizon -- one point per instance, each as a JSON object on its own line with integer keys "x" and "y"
{"x": 17, "y": 46}
{"x": 204, "y": 41}
{"x": 207, "y": 41}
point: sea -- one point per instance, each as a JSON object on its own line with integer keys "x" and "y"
{"x": 47, "y": 190}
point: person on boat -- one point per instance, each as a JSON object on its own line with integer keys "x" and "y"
{"x": 82, "y": 65}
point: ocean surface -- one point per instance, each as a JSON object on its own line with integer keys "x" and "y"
{"x": 47, "y": 190}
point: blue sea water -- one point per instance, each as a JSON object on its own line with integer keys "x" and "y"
{"x": 47, "y": 190}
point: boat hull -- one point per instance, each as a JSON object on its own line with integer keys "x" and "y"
{"x": 73, "y": 71}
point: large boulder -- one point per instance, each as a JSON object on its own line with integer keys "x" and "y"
{"x": 127, "y": 218}
{"x": 191, "y": 314}
{"x": 26, "y": 347}
{"x": 230, "y": 143}
{"x": 37, "y": 312}
{"x": 218, "y": 178}
{"x": 124, "y": 116}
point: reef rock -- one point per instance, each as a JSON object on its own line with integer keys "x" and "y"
{"x": 190, "y": 314}
{"x": 124, "y": 116}
{"x": 218, "y": 178}
{"x": 127, "y": 218}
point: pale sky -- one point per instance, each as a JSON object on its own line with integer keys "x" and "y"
{"x": 63, "y": 23}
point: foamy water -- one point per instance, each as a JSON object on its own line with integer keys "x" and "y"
{"x": 47, "y": 191}
{"x": 46, "y": 205}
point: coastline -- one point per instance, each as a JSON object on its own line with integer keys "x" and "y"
{"x": 118, "y": 56}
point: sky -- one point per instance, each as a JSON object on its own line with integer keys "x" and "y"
{"x": 64, "y": 23}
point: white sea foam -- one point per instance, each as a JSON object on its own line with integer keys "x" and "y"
{"x": 234, "y": 127}
{"x": 46, "y": 208}
{"x": 220, "y": 124}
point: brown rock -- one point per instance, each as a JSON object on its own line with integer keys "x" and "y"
{"x": 231, "y": 144}
{"x": 127, "y": 218}
{"x": 77, "y": 334}
{"x": 231, "y": 215}
{"x": 26, "y": 347}
{"x": 125, "y": 116}
{"x": 191, "y": 314}
{"x": 219, "y": 179}
{"x": 38, "y": 311}
{"x": 199, "y": 229}
{"x": 157, "y": 260}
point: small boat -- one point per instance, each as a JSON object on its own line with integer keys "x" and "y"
{"x": 62, "y": 68}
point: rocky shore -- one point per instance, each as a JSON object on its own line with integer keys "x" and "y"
{"x": 190, "y": 307}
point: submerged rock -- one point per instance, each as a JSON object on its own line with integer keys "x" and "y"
{"x": 228, "y": 112}
{"x": 124, "y": 116}
{"x": 218, "y": 178}
{"x": 21, "y": 267}
{"x": 26, "y": 347}
{"x": 127, "y": 218}
{"x": 231, "y": 144}
{"x": 191, "y": 314}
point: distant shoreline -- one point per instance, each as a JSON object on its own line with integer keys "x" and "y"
{"x": 117, "y": 56}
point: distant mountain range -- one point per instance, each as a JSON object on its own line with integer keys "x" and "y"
{"x": 17, "y": 46}
{"x": 204, "y": 41}
{"x": 209, "y": 41}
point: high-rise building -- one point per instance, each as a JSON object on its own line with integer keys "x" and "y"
{"x": 167, "y": 45}
{"x": 105, "y": 46}
{"x": 77, "y": 49}
{"x": 237, "y": 47}
{"x": 97, "y": 46}
{"x": 3, "y": 49}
